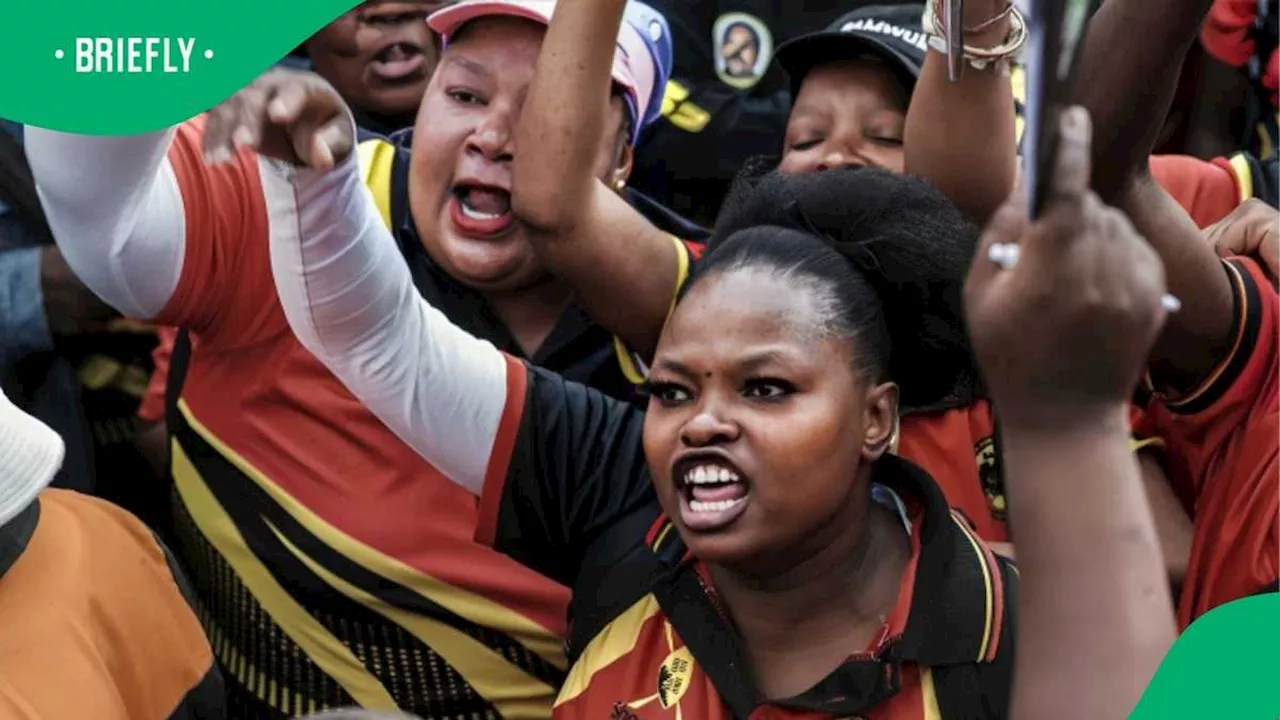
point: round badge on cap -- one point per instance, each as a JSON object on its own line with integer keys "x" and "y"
{"x": 655, "y": 31}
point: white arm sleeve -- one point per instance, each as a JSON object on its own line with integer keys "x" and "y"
{"x": 349, "y": 297}
{"x": 115, "y": 209}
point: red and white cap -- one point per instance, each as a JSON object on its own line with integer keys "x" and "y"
{"x": 634, "y": 69}
{"x": 30, "y": 455}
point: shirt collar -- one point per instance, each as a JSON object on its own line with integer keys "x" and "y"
{"x": 16, "y": 534}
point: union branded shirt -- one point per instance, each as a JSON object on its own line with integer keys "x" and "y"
{"x": 568, "y": 493}
{"x": 334, "y": 565}
{"x": 1223, "y": 439}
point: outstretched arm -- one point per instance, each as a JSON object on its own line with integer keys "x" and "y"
{"x": 350, "y": 299}
{"x": 115, "y": 206}
{"x": 345, "y": 289}
{"x": 548, "y": 488}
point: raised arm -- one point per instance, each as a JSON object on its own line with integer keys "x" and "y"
{"x": 115, "y": 207}
{"x": 956, "y": 130}
{"x": 623, "y": 268}
{"x": 1062, "y": 337}
{"x": 1127, "y": 88}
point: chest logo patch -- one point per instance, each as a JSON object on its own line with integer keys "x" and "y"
{"x": 674, "y": 676}
{"x": 989, "y": 474}
{"x": 743, "y": 47}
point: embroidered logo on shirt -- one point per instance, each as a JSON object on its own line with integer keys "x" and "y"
{"x": 743, "y": 48}
{"x": 989, "y": 475}
{"x": 675, "y": 674}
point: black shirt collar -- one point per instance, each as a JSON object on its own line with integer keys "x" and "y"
{"x": 16, "y": 534}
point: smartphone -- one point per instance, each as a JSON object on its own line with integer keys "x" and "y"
{"x": 1055, "y": 29}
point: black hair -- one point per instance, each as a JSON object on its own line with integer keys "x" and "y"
{"x": 885, "y": 255}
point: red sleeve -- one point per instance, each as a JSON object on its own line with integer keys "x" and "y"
{"x": 226, "y": 293}
{"x": 152, "y": 407}
{"x": 1223, "y": 441}
{"x": 1208, "y": 191}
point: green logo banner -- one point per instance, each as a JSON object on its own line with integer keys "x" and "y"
{"x": 1226, "y": 666}
{"x": 117, "y": 68}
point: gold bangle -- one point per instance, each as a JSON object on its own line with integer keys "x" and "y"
{"x": 1008, "y": 9}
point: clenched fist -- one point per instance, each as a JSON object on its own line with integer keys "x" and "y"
{"x": 287, "y": 115}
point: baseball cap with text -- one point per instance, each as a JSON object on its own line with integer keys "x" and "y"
{"x": 890, "y": 33}
{"x": 641, "y": 62}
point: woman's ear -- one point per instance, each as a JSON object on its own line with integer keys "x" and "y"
{"x": 624, "y": 163}
{"x": 880, "y": 423}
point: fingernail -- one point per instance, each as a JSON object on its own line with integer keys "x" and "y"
{"x": 324, "y": 155}
{"x": 242, "y": 137}
{"x": 277, "y": 109}
{"x": 1075, "y": 123}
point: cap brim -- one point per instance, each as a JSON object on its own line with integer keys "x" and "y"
{"x": 446, "y": 21}
{"x": 800, "y": 56}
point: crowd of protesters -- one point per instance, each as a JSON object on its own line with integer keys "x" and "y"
{"x": 641, "y": 360}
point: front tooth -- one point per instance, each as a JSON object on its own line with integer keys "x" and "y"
{"x": 700, "y": 475}
{"x": 476, "y": 214}
{"x": 723, "y": 475}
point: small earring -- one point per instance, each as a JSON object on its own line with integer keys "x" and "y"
{"x": 619, "y": 185}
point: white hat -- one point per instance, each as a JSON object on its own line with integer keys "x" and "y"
{"x": 30, "y": 455}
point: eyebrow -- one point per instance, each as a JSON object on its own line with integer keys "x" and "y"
{"x": 470, "y": 66}
{"x": 748, "y": 364}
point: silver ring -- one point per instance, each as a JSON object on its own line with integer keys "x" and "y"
{"x": 1004, "y": 254}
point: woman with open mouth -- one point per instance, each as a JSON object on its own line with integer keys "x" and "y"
{"x": 379, "y": 56}
{"x": 747, "y": 547}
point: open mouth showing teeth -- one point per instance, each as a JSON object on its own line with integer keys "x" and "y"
{"x": 397, "y": 51}
{"x": 483, "y": 204}
{"x": 712, "y": 494}
{"x": 398, "y": 62}
{"x": 480, "y": 211}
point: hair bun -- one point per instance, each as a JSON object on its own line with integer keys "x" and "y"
{"x": 906, "y": 239}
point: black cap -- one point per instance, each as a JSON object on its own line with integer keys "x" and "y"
{"x": 891, "y": 33}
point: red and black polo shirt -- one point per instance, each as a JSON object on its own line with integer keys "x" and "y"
{"x": 573, "y": 500}
{"x": 1223, "y": 444}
